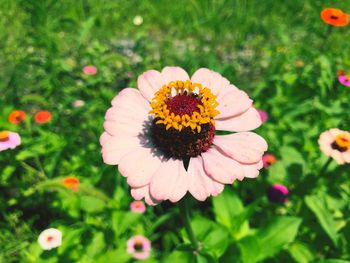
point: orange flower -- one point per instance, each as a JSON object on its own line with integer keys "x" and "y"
{"x": 42, "y": 116}
{"x": 71, "y": 183}
{"x": 334, "y": 17}
{"x": 17, "y": 116}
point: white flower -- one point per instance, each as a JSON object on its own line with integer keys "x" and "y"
{"x": 138, "y": 20}
{"x": 50, "y": 238}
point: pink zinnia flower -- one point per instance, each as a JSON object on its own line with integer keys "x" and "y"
{"x": 139, "y": 247}
{"x": 78, "y": 103}
{"x": 263, "y": 115}
{"x": 90, "y": 70}
{"x": 50, "y": 238}
{"x": 9, "y": 140}
{"x": 344, "y": 80}
{"x": 278, "y": 193}
{"x": 162, "y": 135}
{"x": 268, "y": 159}
{"x": 336, "y": 144}
{"x": 137, "y": 207}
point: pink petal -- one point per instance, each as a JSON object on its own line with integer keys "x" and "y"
{"x": 212, "y": 80}
{"x": 244, "y": 147}
{"x": 139, "y": 166}
{"x": 247, "y": 121}
{"x": 173, "y": 74}
{"x": 250, "y": 170}
{"x": 170, "y": 181}
{"x": 114, "y": 148}
{"x": 104, "y": 138}
{"x": 220, "y": 167}
{"x": 149, "y": 83}
{"x": 143, "y": 192}
{"x": 233, "y": 103}
{"x": 200, "y": 184}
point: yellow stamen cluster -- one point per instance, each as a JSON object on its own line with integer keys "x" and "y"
{"x": 343, "y": 140}
{"x": 206, "y": 111}
{"x": 4, "y": 136}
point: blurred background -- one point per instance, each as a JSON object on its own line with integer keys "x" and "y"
{"x": 280, "y": 52}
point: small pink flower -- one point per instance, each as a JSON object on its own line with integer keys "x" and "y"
{"x": 138, "y": 207}
{"x": 336, "y": 144}
{"x": 50, "y": 238}
{"x": 278, "y": 193}
{"x": 166, "y": 145}
{"x": 263, "y": 115}
{"x": 78, "y": 103}
{"x": 139, "y": 247}
{"x": 9, "y": 140}
{"x": 268, "y": 159}
{"x": 344, "y": 80}
{"x": 90, "y": 70}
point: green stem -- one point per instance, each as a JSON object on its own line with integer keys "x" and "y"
{"x": 185, "y": 215}
{"x": 325, "y": 166}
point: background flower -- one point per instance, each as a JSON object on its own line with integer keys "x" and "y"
{"x": 278, "y": 193}
{"x": 90, "y": 70}
{"x": 42, "y": 116}
{"x": 139, "y": 247}
{"x": 137, "y": 207}
{"x": 9, "y": 140}
{"x": 334, "y": 17}
{"x": 50, "y": 238}
{"x": 17, "y": 116}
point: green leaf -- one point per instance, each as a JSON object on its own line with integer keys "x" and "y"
{"x": 121, "y": 221}
{"x": 96, "y": 246}
{"x": 179, "y": 256}
{"x": 91, "y": 204}
{"x": 269, "y": 240}
{"x": 300, "y": 252}
{"x": 333, "y": 261}
{"x": 317, "y": 205}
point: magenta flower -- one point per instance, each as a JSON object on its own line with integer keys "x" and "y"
{"x": 9, "y": 140}
{"x": 336, "y": 144}
{"x": 278, "y": 193}
{"x": 138, "y": 207}
{"x": 139, "y": 247}
{"x": 90, "y": 70}
{"x": 344, "y": 80}
{"x": 268, "y": 159}
{"x": 263, "y": 115}
{"x": 166, "y": 145}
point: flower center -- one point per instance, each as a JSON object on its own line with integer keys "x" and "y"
{"x": 138, "y": 246}
{"x": 49, "y": 238}
{"x": 183, "y": 124}
{"x": 342, "y": 142}
{"x": 4, "y": 136}
{"x": 334, "y": 17}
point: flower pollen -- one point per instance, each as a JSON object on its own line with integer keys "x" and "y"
{"x": 4, "y": 136}
{"x": 342, "y": 142}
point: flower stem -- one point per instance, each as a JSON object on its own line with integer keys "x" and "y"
{"x": 185, "y": 215}
{"x": 325, "y": 166}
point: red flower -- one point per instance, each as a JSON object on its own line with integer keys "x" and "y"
{"x": 334, "y": 17}
{"x": 71, "y": 183}
{"x": 17, "y": 116}
{"x": 42, "y": 116}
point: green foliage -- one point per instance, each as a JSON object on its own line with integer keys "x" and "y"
{"x": 279, "y": 52}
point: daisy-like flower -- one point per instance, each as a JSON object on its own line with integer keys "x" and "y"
{"x": 336, "y": 144}
{"x": 263, "y": 115}
{"x": 50, "y": 238}
{"x": 139, "y": 247}
{"x": 138, "y": 207}
{"x": 268, "y": 159}
{"x": 17, "y": 116}
{"x": 344, "y": 80}
{"x": 138, "y": 20}
{"x": 71, "y": 183}
{"x": 90, "y": 70}
{"x": 78, "y": 103}
{"x": 9, "y": 140}
{"x": 334, "y": 17}
{"x": 278, "y": 193}
{"x": 43, "y": 116}
{"x": 162, "y": 135}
